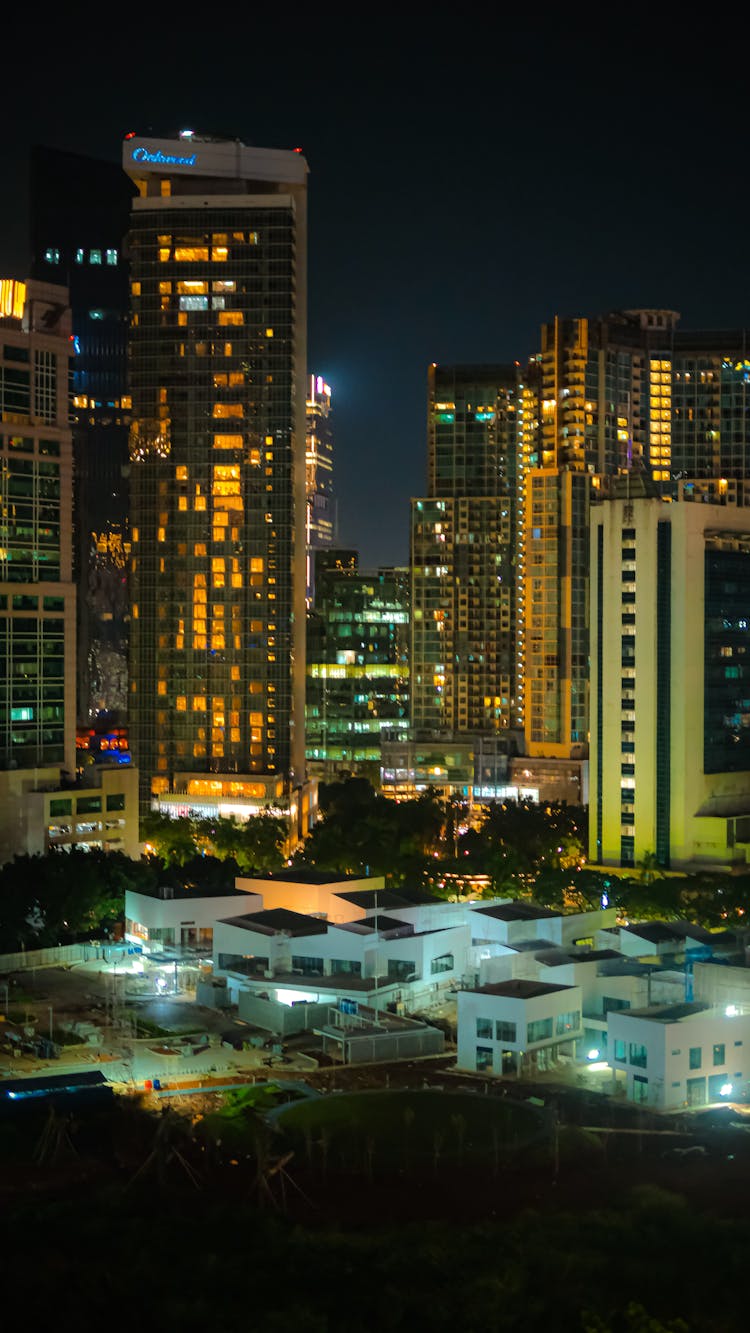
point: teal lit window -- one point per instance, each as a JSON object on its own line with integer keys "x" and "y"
{"x": 95, "y": 256}
{"x": 111, "y": 256}
{"x": 80, "y": 255}
{"x": 52, "y": 255}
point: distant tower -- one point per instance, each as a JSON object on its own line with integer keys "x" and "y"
{"x": 464, "y": 665}
{"x": 321, "y": 504}
{"x": 80, "y": 210}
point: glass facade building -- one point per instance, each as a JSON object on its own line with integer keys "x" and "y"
{"x": 217, "y": 449}
{"x": 357, "y": 665}
{"x": 37, "y": 594}
{"x": 321, "y": 503}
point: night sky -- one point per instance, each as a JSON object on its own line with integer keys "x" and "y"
{"x": 470, "y": 177}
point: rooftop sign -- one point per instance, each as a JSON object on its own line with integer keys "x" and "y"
{"x": 163, "y": 159}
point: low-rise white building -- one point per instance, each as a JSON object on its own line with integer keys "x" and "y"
{"x": 681, "y": 1055}
{"x": 178, "y": 918}
{"x": 521, "y": 1025}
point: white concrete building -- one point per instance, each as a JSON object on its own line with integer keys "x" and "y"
{"x": 177, "y": 918}
{"x": 521, "y": 1025}
{"x": 680, "y": 1055}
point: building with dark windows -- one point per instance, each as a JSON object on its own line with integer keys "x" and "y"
{"x": 218, "y": 375}
{"x": 357, "y": 665}
{"x": 80, "y": 210}
{"x": 670, "y": 680}
{"x": 321, "y": 503}
{"x": 464, "y": 667}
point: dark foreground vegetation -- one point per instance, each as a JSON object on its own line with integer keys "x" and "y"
{"x": 215, "y": 1219}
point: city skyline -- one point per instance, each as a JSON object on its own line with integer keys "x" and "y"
{"x": 457, "y": 201}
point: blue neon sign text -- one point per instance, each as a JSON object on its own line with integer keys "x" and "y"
{"x": 163, "y": 159}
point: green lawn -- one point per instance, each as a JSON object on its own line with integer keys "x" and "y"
{"x": 399, "y": 1128}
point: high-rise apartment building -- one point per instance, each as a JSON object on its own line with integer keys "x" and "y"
{"x": 321, "y": 503}
{"x": 464, "y": 668}
{"x": 626, "y": 395}
{"x": 670, "y": 663}
{"x": 37, "y": 603}
{"x": 357, "y": 665}
{"x": 218, "y": 375}
{"x": 80, "y": 210}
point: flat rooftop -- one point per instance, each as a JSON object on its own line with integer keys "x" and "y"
{"x": 277, "y": 921}
{"x": 302, "y": 876}
{"x": 518, "y": 989}
{"x": 518, "y": 911}
{"x": 178, "y": 892}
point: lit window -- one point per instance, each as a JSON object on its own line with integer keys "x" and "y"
{"x": 161, "y": 687}
{"x": 193, "y": 303}
{"x": 81, "y": 255}
{"x": 228, "y": 441}
{"x": 199, "y": 703}
{"x": 52, "y": 255}
{"x": 269, "y": 333}
{"x": 111, "y": 256}
{"x": 228, "y": 410}
{"x": 95, "y": 256}
{"x": 219, "y": 254}
{"x": 181, "y": 703}
{"x": 191, "y": 254}
{"x": 230, "y": 317}
{"x": 191, "y": 287}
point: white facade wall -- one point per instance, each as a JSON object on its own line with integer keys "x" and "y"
{"x": 671, "y": 1078}
{"x": 477, "y": 1007}
{"x": 174, "y": 913}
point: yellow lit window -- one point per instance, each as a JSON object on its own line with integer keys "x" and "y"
{"x": 166, "y": 188}
{"x": 228, "y": 410}
{"x": 135, "y": 611}
{"x": 164, "y": 256}
{"x": 191, "y": 254}
{"x": 256, "y": 564}
{"x": 269, "y": 440}
{"x": 234, "y": 734}
{"x": 220, "y": 380}
{"x": 200, "y": 548}
{"x": 218, "y": 563}
{"x": 228, "y": 442}
{"x": 182, "y": 503}
{"x": 219, "y": 254}
{"x": 135, "y": 288}
{"x": 231, "y": 317}
{"x": 160, "y": 535}
{"x": 182, "y": 319}
{"x": 217, "y": 642}
{"x": 165, "y": 288}
{"x": 200, "y": 504}
{"x": 181, "y": 473}
{"x": 255, "y": 687}
{"x": 236, "y": 580}
{"x": 235, "y": 673}
{"x": 199, "y": 750}
{"x": 135, "y": 534}
{"x": 227, "y": 349}
{"x": 269, "y": 333}
{"x": 256, "y": 719}
{"x": 254, "y": 457}
{"x": 236, "y": 377}
{"x": 161, "y": 687}
{"x": 199, "y": 703}
{"x": 179, "y": 642}
{"x": 190, "y": 288}
{"x": 181, "y": 703}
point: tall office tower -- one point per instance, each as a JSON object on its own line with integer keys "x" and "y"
{"x": 80, "y": 210}
{"x": 218, "y": 378}
{"x": 37, "y": 604}
{"x": 670, "y": 647}
{"x": 463, "y": 546}
{"x": 321, "y": 504}
{"x": 357, "y": 665}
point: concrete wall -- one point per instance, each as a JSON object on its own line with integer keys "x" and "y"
{"x": 668, "y": 1047}
{"x": 722, "y": 986}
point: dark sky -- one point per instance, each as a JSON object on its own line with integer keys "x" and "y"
{"x": 470, "y": 176}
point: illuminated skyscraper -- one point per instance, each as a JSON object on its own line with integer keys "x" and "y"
{"x": 321, "y": 505}
{"x": 218, "y": 377}
{"x": 464, "y": 675}
{"x": 627, "y": 395}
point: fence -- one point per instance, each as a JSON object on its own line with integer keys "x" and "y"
{"x": 55, "y": 956}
